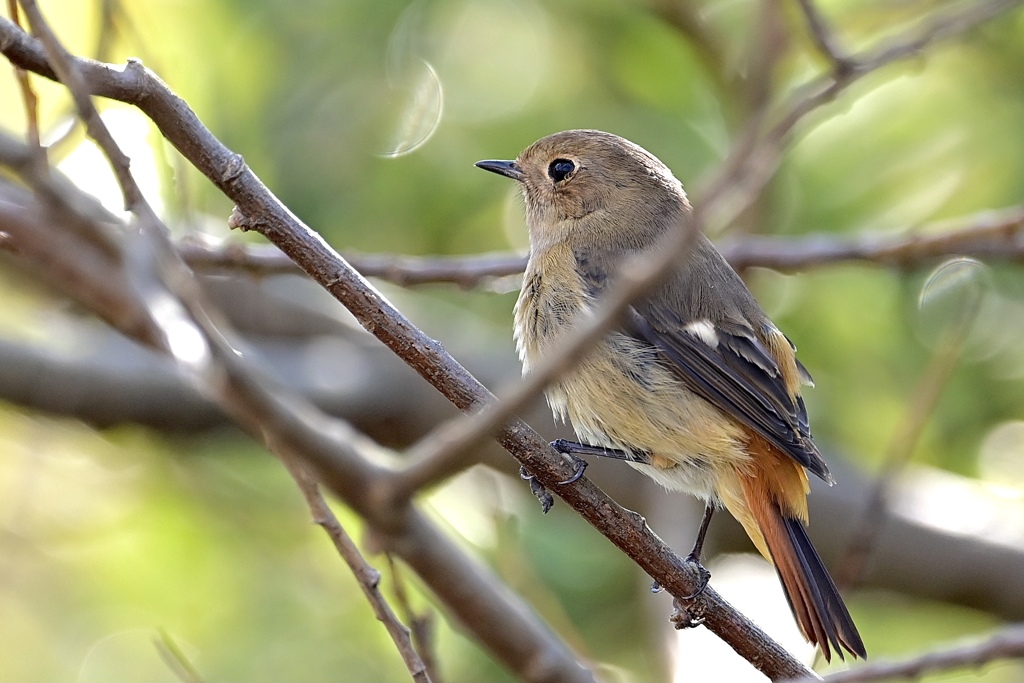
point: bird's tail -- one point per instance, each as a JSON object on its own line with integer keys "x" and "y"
{"x": 774, "y": 514}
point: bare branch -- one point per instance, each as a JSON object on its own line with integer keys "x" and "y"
{"x": 991, "y": 235}
{"x": 755, "y": 156}
{"x": 1005, "y": 644}
{"x": 367, "y": 576}
{"x": 28, "y": 95}
{"x": 66, "y": 69}
{"x": 824, "y": 38}
{"x": 422, "y": 625}
{"x": 136, "y": 202}
{"x": 266, "y": 259}
{"x": 921, "y": 404}
{"x": 935, "y": 28}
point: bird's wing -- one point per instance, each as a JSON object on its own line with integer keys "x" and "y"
{"x": 728, "y": 366}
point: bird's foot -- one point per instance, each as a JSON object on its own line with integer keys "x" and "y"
{"x": 538, "y": 490}
{"x": 685, "y": 612}
{"x": 703, "y": 575}
{"x": 579, "y": 466}
{"x": 686, "y": 616}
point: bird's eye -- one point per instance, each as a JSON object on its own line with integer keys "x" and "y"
{"x": 560, "y": 169}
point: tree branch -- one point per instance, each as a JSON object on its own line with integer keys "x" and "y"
{"x": 824, "y": 38}
{"x": 991, "y": 235}
{"x": 367, "y": 577}
{"x": 182, "y": 284}
{"x": 265, "y": 259}
{"x": 1005, "y": 644}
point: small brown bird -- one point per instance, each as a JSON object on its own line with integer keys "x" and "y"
{"x": 697, "y": 388}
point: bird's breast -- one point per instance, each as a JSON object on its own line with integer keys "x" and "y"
{"x": 622, "y": 394}
{"x": 552, "y": 298}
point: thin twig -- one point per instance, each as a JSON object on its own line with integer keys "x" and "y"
{"x": 266, "y": 259}
{"x": 367, "y": 577}
{"x": 759, "y": 152}
{"x": 922, "y": 403}
{"x": 422, "y": 625}
{"x": 1007, "y": 643}
{"x": 66, "y": 69}
{"x": 176, "y": 659}
{"x": 28, "y": 95}
{"x": 991, "y": 235}
{"x": 823, "y": 36}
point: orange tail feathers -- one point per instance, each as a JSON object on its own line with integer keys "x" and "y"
{"x": 773, "y": 513}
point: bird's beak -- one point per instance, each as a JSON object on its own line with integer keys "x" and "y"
{"x": 508, "y": 169}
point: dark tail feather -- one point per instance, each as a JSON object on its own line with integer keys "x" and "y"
{"x": 812, "y": 595}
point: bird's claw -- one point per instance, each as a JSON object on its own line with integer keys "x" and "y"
{"x": 538, "y": 490}
{"x": 686, "y": 616}
{"x": 702, "y": 573}
{"x": 579, "y": 467}
{"x": 685, "y": 613}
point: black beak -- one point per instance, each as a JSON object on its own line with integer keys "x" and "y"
{"x": 509, "y": 169}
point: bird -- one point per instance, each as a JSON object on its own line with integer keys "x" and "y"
{"x": 696, "y": 387}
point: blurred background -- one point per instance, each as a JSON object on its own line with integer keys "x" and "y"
{"x": 134, "y": 519}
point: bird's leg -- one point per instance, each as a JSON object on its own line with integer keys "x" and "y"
{"x": 574, "y": 449}
{"x": 698, "y": 545}
{"x": 689, "y": 615}
{"x": 682, "y": 616}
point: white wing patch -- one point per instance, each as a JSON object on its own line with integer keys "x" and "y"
{"x": 703, "y": 330}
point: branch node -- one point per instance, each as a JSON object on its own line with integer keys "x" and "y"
{"x": 639, "y": 521}
{"x": 234, "y": 167}
{"x": 240, "y": 221}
